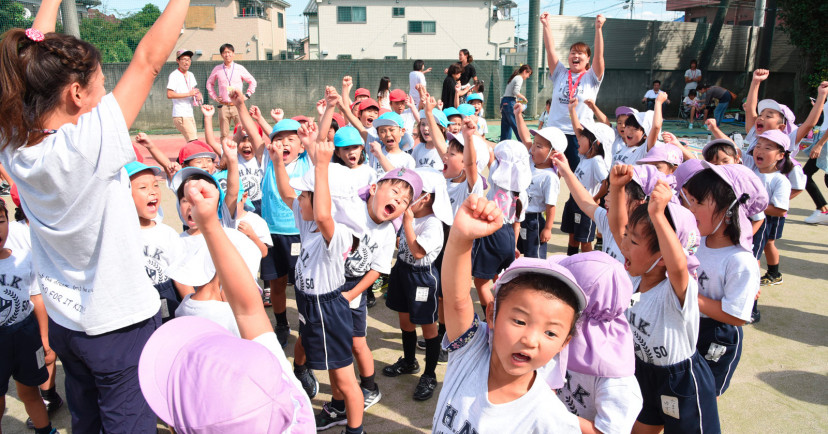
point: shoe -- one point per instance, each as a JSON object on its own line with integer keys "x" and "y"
{"x": 599, "y": 244}
{"x": 421, "y": 344}
{"x": 376, "y": 287}
{"x": 282, "y": 334}
{"x": 769, "y": 279}
{"x": 51, "y": 408}
{"x": 425, "y": 388}
{"x": 370, "y": 301}
{"x": 371, "y": 396}
{"x": 329, "y": 416}
{"x": 817, "y": 218}
{"x": 266, "y": 297}
{"x": 755, "y": 316}
{"x": 309, "y": 381}
{"x": 443, "y": 357}
{"x": 690, "y": 126}
{"x": 401, "y": 367}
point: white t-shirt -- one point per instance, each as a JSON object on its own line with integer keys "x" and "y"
{"x": 508, "y": 205}
{"x": 415, "y": 78}
{"x": 617, "y": 146}
{"x": 408, "y": 120}
{"x": 459, "y": 191}
{"x": 612, "y": 403}
{"x": 250, "y": 177}
{"x": 559, "y": 108}
{"x": 20, "y": 237}
{"x": 86, "y": 242}
{"x": 690, "y": 73}
{"x": 482, "y": 126}
{"x": 778, "y": 188}
{"x": 690, "y": 102}
{"x": 179, "y": 83}
{"x": 629, "y": 154}
{"x": 591, "y": 172}
{"x": 428, "y": 232}
{"x": 650, "y": 94}
{"x": 259, "y": 226}
{"x": 375, "y": 250}
{"x": 424, "y": 157}
{"x": 664, "y": 331}
{"x": 17, "y": 285}
{"x": 399, "y": 159}
{"x": 217, "y": 311}
{"x": 543, "y": 190}
{"x": 363, "y": 175}
{"x": 320, "y": 268}
{"x": 610, "y": 247}
{"x": 796, "y": 177}
{"x": 463, "y": 405}
{"x": 161, "y": 246}
{"x": 729, "y": 274}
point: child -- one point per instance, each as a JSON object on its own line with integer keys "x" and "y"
{"x": 545, "y": 113}
{"x": 770, "y": 160}
{"x": 491, "y": 382}
{"x": 476, "y": 100}
{"x": 251, "y": 152}
{"x": 278, "y": 267}
{"x": 386, "y": 154}
{"x": 460, "y": 170}
{"x": 535, "y": 229}
{"x": 259, "y": 395}
{"x": 247, "y": 222}
{"x": 23, "y": 331}
{"x": 415, "y": 281}
{"x": 403, "y": 105}
{"x": 601, "y": 388}
{"x": 509, "y": 178}
{"x": 455, "y": 120}
{"x": 350, "y": 152}
{"x": 619, "y": 144}
{"x": 640, "y": 129}
{"x": 664, "y": 156}
{"x": 691, "y": 106}
{"x": 657, "y": 240}
{"x": 722, "y": 198}
{"x": 160, "y": 240}
{"x": 721, "y": 152}
{"x": 330, "y": 226}
{"x": 432, "y": 147}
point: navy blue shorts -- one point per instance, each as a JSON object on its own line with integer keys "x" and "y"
{"x": 326, "y": 326}
{"x": 169, "y": 299}
{"x": 280, "y": 260}
{"x": 574, "y": 221}
{"x": 681, "y": 397}
{"x": 439, "y": 261}
{"x": 413, "y": 290}
{"x": 23, "y": 354}
{"x": 360, "y": 314}
{"x": 771, "y": 229}
{"x": 529, "y": 242}
{"x": 102, "y": 386}
{"x": 492, "y": 254}
{"x": 721, "y": 346}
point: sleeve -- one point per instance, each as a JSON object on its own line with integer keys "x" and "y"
{"x": 617, "y": 402}
{"x": 472, "y": 72}
{"x": 551, "y": 189}
{"x": 341, "y": 242}
{"x": 101, "y": 137}
{"x": 797, "y": 177}
{"x": 384, "y": 254}
{"x": 34, "y": 287}
{"x": 558, "y": 72}
{"x": 431, "y": 237}
{"x": 210, "y": 81}
{"x": 601, "y": 220}
{"x": 172, "y": 82}
{"x": 246, "y": 76}
{"x": 475, "y": 336}
{"x": 781, "y": 196}
{"x": 691, "y": 298}
{"x": 518, "y": 84}
{"x": 600, "y": 170}
{"x": 261, "y": 230}
{"x": 408, "y": 161}
{"x": 741, "y": 286}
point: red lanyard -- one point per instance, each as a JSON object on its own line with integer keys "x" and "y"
{"x": 573, "y": 88}
{"x": 186, "y": 79}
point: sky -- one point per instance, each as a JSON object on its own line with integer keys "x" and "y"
{"x": 643, "y": 10}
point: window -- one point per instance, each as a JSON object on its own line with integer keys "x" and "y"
{"x": 390, "y": 57}
{"x": 269, "y": 55}
{"x": 422, "y": 27}
{"x": 350, "y": 14}
{"x": 699, "y": 20}
{"x": 280, "y": 19}
{"x": 397, "y": 12}
{"x": 344, "y": 57}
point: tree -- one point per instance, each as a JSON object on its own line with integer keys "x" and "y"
{"x": 117, "y": 39}
{"x": 804, "y": 23}
{"x": 13, "y": 15}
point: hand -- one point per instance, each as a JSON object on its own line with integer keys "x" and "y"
{"x": 409, "y": 101}
{"x": 229, "y": 148}
{"x": 376, "y": 149}
{"x": 470, "y": 124}
{"x": 347, "y": 84}
{"x": 822, "y": 90}
{"x": 670, "y": 138}
{"x": 710, "y": 123}
{"x": 246, "y": 229}
{"x": 277, "y": 114}
{"x": 545, "y": 235}
{"x": 559, "y": 160}
{"x": 573, "y": 104}
{"x": 204, "y": 196}
{"x": 236, "y": 97}
{"x": 476, "y": 218}
{"x": 408, "y": 215}
{"x": 172, "y": 168}
{"x": 620, "y": 175}
{"x": 815, "y": 151}
{"x": 440, "y": 105}
{"x": 307, "y": 134}
{"x": 430, "y": 103}
{"x": 208, "y": 111}
{"x": 332, "y": 98}
{"x": 349, "y": 295}
{"x": 457, "y": 87}
{"x": 661, "y": 97}
{"x": 193, "y": 92}
{"x": 659, "y": 198}
{"x": 427, "y": 70}
{"x": 324, "y": 152}
{"x": 143, "y": 140}
{"x": 518, "y": 109}
{"x": 320, "y": 106}
{"x": 589, "y": 103}
{"x": 760, "y": 75}
{"x": 255, "y": 113}
{"x": 50, "y": 355}
{"x": 599, "y": 21}
{"x": 275, "y": 150}
{"x": 545, "y": 17}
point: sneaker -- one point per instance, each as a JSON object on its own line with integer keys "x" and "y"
{"x": 329, "y": 416}
{"x": 443, "y": 357}
{"x": 370, "y": 300}
{"x": 309, "y": 381}
{"x": 376, "y": 287}
{"x": 401, "y": 367}
{"x": 282, "y": 334}
{"x": 817, "y": 218}
{"x": 421, "y": 344}
{"x": 266, "y": 297}
{"x": 690, "y": 125}
{"x": 599, "y": 244}
{"x": 769, "y": 279}
{"x": 755, "y": 315}
{"x": 371, "y": 396}
{"x": 425, "y": 388}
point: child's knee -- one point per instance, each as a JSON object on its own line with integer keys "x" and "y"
{"x": 28, "y": 394}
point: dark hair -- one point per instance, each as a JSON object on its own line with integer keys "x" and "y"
{"x": 706, "y": 183}
{"x": 19, "y": 215}
{"x": 338, "y": 160}
{"x": 225, "y": 47}
{"x": 454, "y": 69}
{"x": 523, "y": 68}
{"x": 385, "y": 84}
{"x": 480, "y": 86}
{"x": 634, "y": 191}
{"x": 703, "y": 86}
{"x": 714, "y": 149}
{"x": 454, "y": 143}
{"x": 694, "y": 61}
{"x": 518, "y": 203}
{"x": 550, "y": 287}
{"x": 582, "y": 47}
{"x": 32, "y": 78}
{"x": 549, "y": 101}
{"x": 4, "y": 209}
{"x": 787, "y": 163}
{"x": 468, "y": 55}
{"x": 642, "y": 215}
{"x": 594, "y": 150}
{"x": 656, "y": 81}
{"x": 396, "y": 183}
{"x": 692, "y": 92}
{"x": 419, "y": 65}
{"x": 194, "y": 177}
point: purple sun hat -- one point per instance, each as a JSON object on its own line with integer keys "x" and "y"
{"x": 602, "y": 345}
{"x": 191, "y": 376}
{"x": 685, "y": 171}
{"x": 688, "y": 234}
{"x": 663, "y": 152}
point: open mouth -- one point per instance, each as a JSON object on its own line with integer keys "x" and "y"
{"x": 520, "y": 358}
{"x": 190, "y": 221}
{"x": 389, "y": 209}
{"x": 353, "y": 159}
{"x": 627, "y": 263}
{"x": 152, "y": 205}
{"x": 285, "y": 154}
{"x": 759, "y": 159}
{"x": 246, "y": 152}
{"x": 369, "y": 121}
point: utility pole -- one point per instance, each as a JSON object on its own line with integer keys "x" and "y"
{"x": 759, "y": 13}
{"x": 532, "y": 57}
{"x": 69, "y": 13}
{"x": 560, "y": 9}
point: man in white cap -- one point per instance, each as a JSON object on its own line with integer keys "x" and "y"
{"x": 182, "y": 90}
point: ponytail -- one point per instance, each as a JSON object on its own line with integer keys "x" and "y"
{"x": 32, "y": 76}
{"x": 520, "y": 70}
{"x": 518, "y": 204}
{"x": 786, "y": 164}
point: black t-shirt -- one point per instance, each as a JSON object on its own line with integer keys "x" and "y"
{"x": 448, "y": 91}
{"x": 468, "y": 73}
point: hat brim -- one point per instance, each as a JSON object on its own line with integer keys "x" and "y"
{"x": 539, "y": 266}
{"x": 385, "y": 123}
{"x": 155, "y": 171}
{"x": 185, "y": 53}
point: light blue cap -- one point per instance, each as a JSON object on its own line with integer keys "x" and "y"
{"x": 136, "y": 166}
{"x": 466, "y": 109}
{"x": 221, "y": 180}
{"x": 390, "y": 119}
{"x": 439, "y": 116}
{"x": 474, "y": 97}
{"x": 451, "y": 111}
{"x": 285, "y": 125}
{"x": 348, "y": 136}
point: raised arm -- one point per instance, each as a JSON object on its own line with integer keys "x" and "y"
{"x": 582, "y": 197}
{"x": 134, "y": 86}
{"x": 156, "y": 153}
{"x": 322, "y": 190}
{"x": 230, "y": 153}
{"x": 287, "y": 193}
{"x": 250, "y": 126}
{"x": 523, "y": 131}
{"x": 598, "y": 58}
{"x": 549, "y": 41}
{"x": 331, "y": 101}
{"x": 752, "y": 101}
{"x": 470, "y": 151}
{"x": 668, "y": 242}
{"x": 209, "y": 136}
{"x": 436, "y": 136}
{"x": 347, "y": 84}
{"x": 813, "y": 116}
{"x": 573, "y": 116}
{"x": 620, "y": 175}
{"x": 256, "y": 115}
{"x": 599, "y": 115}
{"x": 47, "y": 16}
{"x": 658, "y": 120}
{"x": 711, "y": 125}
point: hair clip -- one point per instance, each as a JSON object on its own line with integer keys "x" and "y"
{"x": 34, "y": 34}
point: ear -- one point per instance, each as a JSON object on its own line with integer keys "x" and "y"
{"x": 373, "y": 189}
{"x": 75, "y": 93}
{"x": 490, "y": 310}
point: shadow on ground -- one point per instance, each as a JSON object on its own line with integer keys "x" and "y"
{"x": 805, "y": 327}
{"x": 801, "y": 385}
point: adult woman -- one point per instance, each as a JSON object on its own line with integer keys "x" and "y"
{"x": 383, "y": 93}
{"x": 469, "y": 75}
{"x": 507, "y": 103}
{"x": 582, "y": 81}
{"x": 64, "y": 142}
{"x": 692, "y": 77}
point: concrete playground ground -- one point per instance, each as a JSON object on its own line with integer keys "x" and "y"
{"x": 781, "y": 384}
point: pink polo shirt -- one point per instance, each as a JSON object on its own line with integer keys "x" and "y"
{"x": 232, "y": 75}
